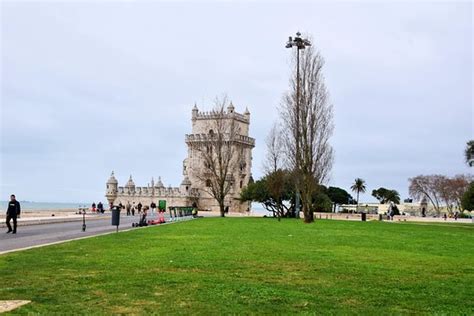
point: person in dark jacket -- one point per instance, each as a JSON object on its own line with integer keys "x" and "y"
{"x": 13, "y": 212}
{"x": 139, "y": 208}
{"x": 100, "y": 208}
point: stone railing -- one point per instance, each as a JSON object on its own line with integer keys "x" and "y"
{"x": 197, "y": 138}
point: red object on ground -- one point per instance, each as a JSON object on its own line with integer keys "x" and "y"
{"x": 154, "y": 222}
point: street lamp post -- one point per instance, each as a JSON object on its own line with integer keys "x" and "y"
{"x": 299, "y": 43}
{"x": 83, "y": 211}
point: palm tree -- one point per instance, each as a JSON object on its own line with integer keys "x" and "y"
{"x": 358, "y": 186}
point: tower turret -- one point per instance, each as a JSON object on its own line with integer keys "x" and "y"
{"x": 230, "y": 108}
{"x": 159, "y": 184}
{"x": 112, "y": 188}
{"x": 130, "y": 185}
{"x": 195, "y": 111}
{"x": 185, "y": 185}
{"x": 247, "y": 113}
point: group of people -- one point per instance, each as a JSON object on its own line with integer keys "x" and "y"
{"x": 143, "y": 212}
{"x": 138, "y": 208}
{"x": 98, "y": 209}
{"x": 130, "y": 208}
{"x": 455, "y": 215}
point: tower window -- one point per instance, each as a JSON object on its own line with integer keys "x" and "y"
{"x": 208, "y": 183}
{"x": 241, "y": 184}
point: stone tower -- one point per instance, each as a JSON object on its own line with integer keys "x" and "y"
{"x": 194, "y": 164}
{"x": 193, "y": 190}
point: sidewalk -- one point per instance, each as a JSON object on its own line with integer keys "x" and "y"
{"x": 33, "y": 236}
{"x": 37, "y": 220}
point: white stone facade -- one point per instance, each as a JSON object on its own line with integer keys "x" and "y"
{"x": 193, "y": 190}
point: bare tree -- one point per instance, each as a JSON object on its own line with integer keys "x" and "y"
{"x": 308, "y": 125}
{"x": 274, "y": 155}
{"x": 456, "y": 187}
{"x": 429, "y": 187}
{"x": 446, "y": 192}
{"x": 440, "y": 190}
{"x": 221, "y": 153}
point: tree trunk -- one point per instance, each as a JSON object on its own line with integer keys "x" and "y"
{"x": 222, "y": 209}
{"x": 308, "y": 216}
{"x": 307, "y": 211}
{"x": 357, "y": 206}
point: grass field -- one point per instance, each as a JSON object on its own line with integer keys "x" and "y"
{"x": 251, "y": 265}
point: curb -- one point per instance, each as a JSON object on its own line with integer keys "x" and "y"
{"x": 50, "y": 221}
{"x": 91, "y": 236}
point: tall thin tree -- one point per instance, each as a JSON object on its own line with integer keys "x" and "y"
{"x": 469, "y": 153}
{"x": 308, "y": 124}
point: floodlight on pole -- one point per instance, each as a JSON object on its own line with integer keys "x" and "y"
{"x": 299, "y": 43}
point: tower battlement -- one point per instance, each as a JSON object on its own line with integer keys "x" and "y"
{"x": 213, "y": 115}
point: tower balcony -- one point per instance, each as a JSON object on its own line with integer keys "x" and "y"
{"x": 194, "y": 139}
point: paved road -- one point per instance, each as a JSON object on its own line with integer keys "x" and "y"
{"x": 34, "y": 235}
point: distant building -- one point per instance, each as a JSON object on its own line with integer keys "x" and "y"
{"x": 411, "y": 208}
{"x": 193, "y": 190}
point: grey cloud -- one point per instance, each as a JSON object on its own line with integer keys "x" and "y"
{"x": 91, "y": 87}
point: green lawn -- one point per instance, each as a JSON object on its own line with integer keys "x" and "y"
{"x": 251, "y": 265}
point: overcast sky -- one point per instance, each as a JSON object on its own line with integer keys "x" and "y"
{"x": 87, "y": 88}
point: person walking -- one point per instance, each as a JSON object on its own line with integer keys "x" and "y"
{"x": 133, "y": 209}
{"x": 13, "y": 212}
{"x": 128, "y": 208}
{"x": 93, "y": 207}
